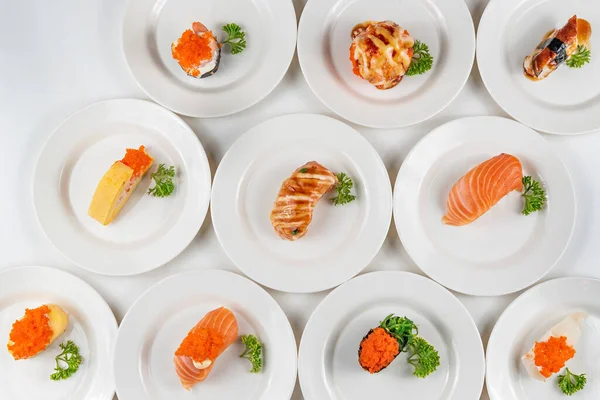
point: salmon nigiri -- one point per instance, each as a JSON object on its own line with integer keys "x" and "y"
{"x": 205, "y": 342}
{"x": 481, "y": 188}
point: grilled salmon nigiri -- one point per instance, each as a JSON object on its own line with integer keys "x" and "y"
{"x": 293, "y": 208}
{"x": 556, "y": 48}
{"x": 481, "y": 188}
{"x": 32, "y": 333}
{"x": 197, "y": 353}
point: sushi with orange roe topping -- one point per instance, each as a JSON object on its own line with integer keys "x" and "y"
{"x": 117, "y": 185}
{"x": 377, "y": 350}
{"x": 197, "y": 353}
{"x": 197, "y": 51}
{"x": 557, "y": 346}
{"x": 33, "y": 333}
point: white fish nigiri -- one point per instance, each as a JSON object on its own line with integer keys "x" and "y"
{"x": 570, "y": 328}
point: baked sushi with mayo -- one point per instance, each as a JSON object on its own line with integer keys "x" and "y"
{"x": 33, "y": 333}
{"x": 117, "y": 185}
{"x": 557, "y": 47}
{"x": 197, "y": 51}
{"x": 381, "y": 53}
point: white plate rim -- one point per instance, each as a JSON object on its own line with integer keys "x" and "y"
{"x": 221, "y": 274}
{"x": 204, "y": 205}
{"x": 323, "y": 94}
{"x": 525, "y": 296}
{"x": 470, "y": 289}
{"x": 101, "y": 302}
{"x": 514, "y": 109}
{"x": 255, "y": 273}
{"x": 400, "y": 275}
{"x": 198, "y": 113}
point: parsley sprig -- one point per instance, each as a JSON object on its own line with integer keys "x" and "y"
{"x": 422, "y": 61}
{"x": 343, "y": 188}
{"x": 236, "y": 38}
{"x": 581, "y": 57}
{"x": 69, "y": 356}
{"x": 534, "y": 195}
{"x": 163, "y": 179}
{"x": 253, "y": 351}
{"x": 571, "y": 383}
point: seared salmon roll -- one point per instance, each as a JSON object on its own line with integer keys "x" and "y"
{"x": 33, "y": 333}
{"x": 197, "y": 51}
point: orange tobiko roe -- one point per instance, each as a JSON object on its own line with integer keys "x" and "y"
{"x": 201, "y": 344}
{"x": 137, "y": 160}
{"x": 192, "y": 49}
{"x": 30, "y": 334}
{"x": 552, "y": 355}
{"x": 378, "y": 350}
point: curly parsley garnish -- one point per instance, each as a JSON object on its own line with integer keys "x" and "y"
{"x": 343, "y": 188}
{"x": 581, "y": 57}
{"x": 422, "y": 61}
{"x": 571, "y": 383}
{"x": 534, "y": 195}
{"x": 236, "y": 38}
{"x": 253, "y": 352}
{"x": 70, "y": 357}
{"x": 163, "y": 179}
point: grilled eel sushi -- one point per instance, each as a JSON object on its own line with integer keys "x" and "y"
{"x": 293, "y": 209}
{"x": 556, "y": 48}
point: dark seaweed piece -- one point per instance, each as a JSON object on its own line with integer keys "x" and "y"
{"x": 559, "y": 48}
{"x": 212, "y": 72}
{"x": 360, "y": 349}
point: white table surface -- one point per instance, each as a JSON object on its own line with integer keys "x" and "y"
{"x": 59, "y": 56}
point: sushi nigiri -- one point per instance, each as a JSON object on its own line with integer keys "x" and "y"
{"x": 557, "y": 346}
{"x": 196, "y": 355}
{"x": 299, "y": 194}
{"x": 117, "y": 184}
{"x": 556, "y": 48}
{"x": 197, "y": 51}
{"x": 481, "y": 188}
{"x": 33, "y": 333}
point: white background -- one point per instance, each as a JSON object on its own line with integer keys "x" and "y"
{"x": 59, "y": 56}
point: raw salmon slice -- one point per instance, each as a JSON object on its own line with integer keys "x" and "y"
{"x": 196, "y": 355}
{"x": 481, "y": 188}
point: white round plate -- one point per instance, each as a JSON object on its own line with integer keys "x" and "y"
{"x": 149, "y": 231}
{"x": 328, "y": 365}
{"x": 503, "y": 251}
{"x": 567, "y": 101}
{"x": 341, "y": 240}
{"x": 92, "y": 327}
{"x": 525, "y": 320}
{"x": 159, "y": 320}
{"x": 242, "y": 80}
{"x": 324, "y": 41}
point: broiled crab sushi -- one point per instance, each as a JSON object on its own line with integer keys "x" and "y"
{"x": 377, "y": 350}
{"x": 556, "y": 48}
{"x": 381, "y": 52}
{"x": 197, "y": 51}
